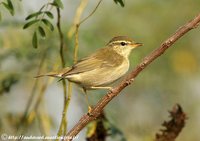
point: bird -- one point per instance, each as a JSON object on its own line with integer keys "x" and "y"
{"x": 102, "y": 67}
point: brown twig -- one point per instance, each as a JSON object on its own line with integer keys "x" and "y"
{"x": 82, "y": 21}
{"x": 174, "y": 126}
{"x": 77, "y": 17}
{"x": 61, "y": 37}
{"x": 76, "y": 44}
{"x": 85, "y": 119}
{"x": 75, "y": 28}
{"x": 66, "y": 99}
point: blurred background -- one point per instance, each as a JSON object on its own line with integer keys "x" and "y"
{"x": 141, "y": 108}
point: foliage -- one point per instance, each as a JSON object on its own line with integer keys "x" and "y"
{"x": 120, "y": 2}
{"x": 41, "y": 22}
{"x": 174, "y": 126}
{"x": 9, "y": 6}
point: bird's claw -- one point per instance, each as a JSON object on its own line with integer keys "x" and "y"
{"x": 89, "y": 111}
{"x": 129, "y": 81}
{"x": 110, "y": 90}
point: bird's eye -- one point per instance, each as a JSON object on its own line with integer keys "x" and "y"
{"x": 123, "y": 43}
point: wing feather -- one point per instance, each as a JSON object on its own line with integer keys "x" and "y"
{"x": 101, "y": 59}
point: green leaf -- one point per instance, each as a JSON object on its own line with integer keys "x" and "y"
{"x": 9, "y": 7}
{"x": 41, "y": 31}
{"x": 33, "y": 15}
{"x": 48, "y": 23}
{"x": 35, "y": 40}
{"x": 30, "y": 23}
{"x": 120, "y": 2}
{"x": 58, "y": 3}
{"x": 49, "y": 14}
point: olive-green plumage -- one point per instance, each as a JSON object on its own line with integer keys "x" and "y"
{"x": 102, "y": 67}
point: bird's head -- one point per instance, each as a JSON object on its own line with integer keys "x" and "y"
{"x": 123, "y": 45}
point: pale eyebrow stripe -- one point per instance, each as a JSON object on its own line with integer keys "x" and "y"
{"x": 121, "y": 41}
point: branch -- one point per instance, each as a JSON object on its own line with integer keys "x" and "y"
{"x": 91, "y": 13}
{"x": 75, "y": 28}
{"x": 79, "y": 12}
{"x": 61, "y": 37}
{"x": 96, "y": 111}
{"x": 67, "y": 96}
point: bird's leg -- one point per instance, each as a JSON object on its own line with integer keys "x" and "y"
{"x": 87, "y": 100}
{"x": 107, "y": 88}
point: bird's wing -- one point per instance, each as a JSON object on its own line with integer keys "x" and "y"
{"x": 100, "y": 59}
{"x": 84, "y": 65}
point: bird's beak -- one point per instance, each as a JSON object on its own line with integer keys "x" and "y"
{"x": 134, "y": 45}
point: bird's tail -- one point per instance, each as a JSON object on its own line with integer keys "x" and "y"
{"x": 54, "y": 74}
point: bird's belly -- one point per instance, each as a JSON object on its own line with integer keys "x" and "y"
{"x": 99, "y": 77}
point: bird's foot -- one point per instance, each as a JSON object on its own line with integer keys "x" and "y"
{"x": 109, "y": 94}
{"x": 89, "y": 111}
{"x": 129, "y": 81}
{"x": 110, "y": 89}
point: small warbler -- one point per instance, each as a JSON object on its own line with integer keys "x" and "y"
{"x": 101, "y": 68}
